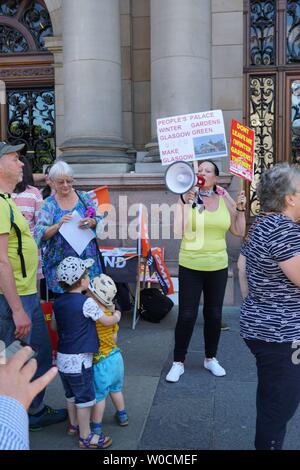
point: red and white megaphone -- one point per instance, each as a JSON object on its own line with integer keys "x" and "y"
{"x": 200, "y": 181}
{"x": 180, "y": 178}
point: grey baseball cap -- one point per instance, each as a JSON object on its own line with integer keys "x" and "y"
{"x": 8, "y": 148}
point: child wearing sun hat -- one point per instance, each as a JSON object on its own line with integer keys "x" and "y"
{"x": 75, "y": 317}
{"x": 108, "y": 365}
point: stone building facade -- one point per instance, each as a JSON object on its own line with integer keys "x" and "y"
{"x": 128, "y": 63}
{"x": 114, "y": 66}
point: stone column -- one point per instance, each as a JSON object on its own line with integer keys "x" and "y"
{"x": 54, "y": 45}
{"x": 92, "y": 87}
{"x": 180, "y": 61}
{"x": 3, "y": 111}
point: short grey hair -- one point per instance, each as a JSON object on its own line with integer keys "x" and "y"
{"x": 60, "y": 169}
{"x": 275, "y": 184}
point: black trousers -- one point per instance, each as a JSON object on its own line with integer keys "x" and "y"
{"x": 191, "y": 285}
{"x": 278, "y": 391}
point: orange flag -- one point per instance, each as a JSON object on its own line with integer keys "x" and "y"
{"x": 101, "y": 197}
{"x": 155, "y": 261}
{"x": 145, "y": 240}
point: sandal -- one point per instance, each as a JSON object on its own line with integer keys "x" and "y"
{"x": 102, "y": 443}
{"x": 72, "y": 430}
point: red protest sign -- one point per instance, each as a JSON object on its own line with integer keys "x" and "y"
{"x": 241, "y": 151}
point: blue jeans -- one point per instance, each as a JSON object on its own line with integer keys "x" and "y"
{"x": 79, "y": 388}
{"x": 38, "y": 337}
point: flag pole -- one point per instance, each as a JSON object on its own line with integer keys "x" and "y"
{"x": 136, "y": 317}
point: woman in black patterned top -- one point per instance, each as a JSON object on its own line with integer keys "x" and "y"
{"x": 269, "y": 271}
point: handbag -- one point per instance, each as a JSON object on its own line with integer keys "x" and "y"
{"x": 154, "y": 305}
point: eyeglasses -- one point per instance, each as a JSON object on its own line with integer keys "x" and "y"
{"x": 67, "y": 181}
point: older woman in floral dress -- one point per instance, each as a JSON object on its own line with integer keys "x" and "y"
{"x": 57, "y": 210}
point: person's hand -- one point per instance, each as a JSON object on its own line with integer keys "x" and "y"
{"x": 15, "y": 378}
{"x": 65, "y": 218}
{"x": 117, "y": 313}
{"x": 22, "y": 323}
{"x": 241, "y": 201}
{"x": 87, "y": 223}
{"x": 190, "y": 195}
{"x": 220, "y": 191}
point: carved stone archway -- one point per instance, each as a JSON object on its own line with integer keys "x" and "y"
{"x": 27, "y": 74}
{"x": 55, "y": 10}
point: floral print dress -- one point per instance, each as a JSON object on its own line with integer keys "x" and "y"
{"x": 57, "y": 248}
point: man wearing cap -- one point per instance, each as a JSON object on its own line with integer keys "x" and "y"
{"x": 21, "y": 316}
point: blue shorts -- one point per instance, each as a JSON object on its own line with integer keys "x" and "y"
{"x": 79, "y": 388}
{"x": 108, "y": 375}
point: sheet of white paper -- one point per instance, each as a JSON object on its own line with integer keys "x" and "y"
{"x": 77, "y": 237}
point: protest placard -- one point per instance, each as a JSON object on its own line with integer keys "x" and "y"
{"x": 241, "y": 151}
{"x": 188, "y": 137}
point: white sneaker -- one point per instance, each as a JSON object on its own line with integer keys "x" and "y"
{"x": 175, "y": 372}
{"x": 214, "y": 367}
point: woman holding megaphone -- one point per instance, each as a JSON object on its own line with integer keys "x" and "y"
{"x": 203, "y": 264}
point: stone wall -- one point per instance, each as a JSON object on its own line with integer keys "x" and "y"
{"x": 227, "y": 77}
{"x": 226, "y": 93}
{"x": 135, "y": 48}
{"x": 130, "y": 190}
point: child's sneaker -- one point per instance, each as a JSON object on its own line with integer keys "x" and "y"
{"x": 121, "y": 418}
{"x": 72, "y": 430}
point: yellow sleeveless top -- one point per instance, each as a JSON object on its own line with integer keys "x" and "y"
{"x": 106, "y": 340}
{"x": 203, "y": 246}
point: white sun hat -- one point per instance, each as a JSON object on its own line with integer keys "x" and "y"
{"x": 104, "y": 289}
{"x": 71, "y": 269}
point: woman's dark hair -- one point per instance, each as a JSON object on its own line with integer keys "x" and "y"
{"x": 47, "y": 169}
{"x": 46, "y": 191}
{"x": 27, "y": 176}
{"x": 217, "y": 171}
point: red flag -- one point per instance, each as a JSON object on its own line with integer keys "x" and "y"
{"x": 145, "y": 240}
{"x": 154, "y": 260}
{"x": 157, "y": 265}
{"x": 163, "y": 272}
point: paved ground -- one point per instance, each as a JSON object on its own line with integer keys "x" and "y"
{"x": 199, "y": 412}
